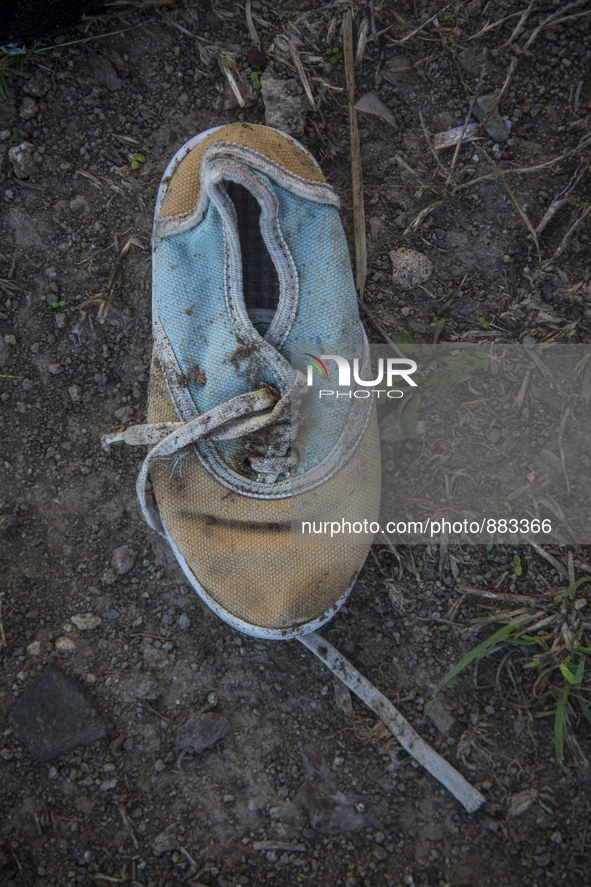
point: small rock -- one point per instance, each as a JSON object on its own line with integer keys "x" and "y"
{"x": 376, "y": 228}
{"x": 123, "y": 560}
{"x": 86, "y": 621}
{"x": 79, "y": 204}
{"x": 7, "y": 754}
{"x": 108, "y": 784}
{"x": 155, "y": 658}
{"x": 285, "y": 107}
{"x": 75, "y": 392}
{"x": 10, "y": 339}
{"x": 440, "y": 716}
{"x": 34, "y": 649}
{"x": 212, "y": 699}
{"x": 28, "y": 108}
{"x": 53, "y": 716}
{"x": 183, "y": 621}
{"x": 38, "y": 86}
{"x": 409, "y": 268}
{"x": 65, "y": 645}
{"x": 201, "y": 734}
{"x": 495, "y": 125}
{"x": 139, "y": 687}
{"x": 21, "y": 157}
{"x": 166, "y": 840}
{"x": 55, "y": 369}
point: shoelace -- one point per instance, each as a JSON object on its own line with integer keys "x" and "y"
{"x": 226, "y": 421}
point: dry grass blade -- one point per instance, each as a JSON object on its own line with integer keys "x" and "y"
{"x": 516, "y": 203}
{"x": 252, "y": 31}
{"x": 302, "y": 74}
{"x": 362, "y": 41}
{"x": 466, "y": 122}
{"x": 568, "y": 236}
{"x": 554, "y": 19}
{"x": 424, "y": 25}
{"x": 356, "y": 169}
{"x": 563, "y": 196}
{"x": 225, "y": 64}
{"x": 493, "y": 25}
{"x": 401, "y": 162}
{"x": 519, "y": 26}
{"x": 426, "y": 211}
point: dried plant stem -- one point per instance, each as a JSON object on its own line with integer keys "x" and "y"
{"x": 466, "y": 122}
{"x": 424, "y": 25}
{"x": 300, "y": 69}
{"x": 356, "y": 169}
{"x": 252, "y": 31}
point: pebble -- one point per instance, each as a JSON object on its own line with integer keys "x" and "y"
{"x": 123, "y": 560}
{"x": 79, "y": 204}
{"x": 201, "y": 734}
{"x": 183, "y": 621}
{"x": 495, "y": 125}
{"x": 10, "y": 339}
{"x": 86, "y": 621}
{"x": 285, "y": 107}
{"x": 410, "y": 268}
{"x": 65, "y": 645}
{"x": 21, "y": 157}
{"x": 53, "y": 716}
{"x": 34, "y": 649}
{"x": 109, "y": 784}
{"x": 75, "y": 393}
{"x": 28, "y": 108}
{"x": 38, "y": 86}
{"x": 55, "y": 369}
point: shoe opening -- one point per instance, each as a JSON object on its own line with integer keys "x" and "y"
{"x": 259, "y": 276}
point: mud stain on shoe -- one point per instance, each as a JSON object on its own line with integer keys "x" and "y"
{"x": 195, "y": 376}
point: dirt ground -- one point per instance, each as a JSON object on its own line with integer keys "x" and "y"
{"x": 262, "y": 805}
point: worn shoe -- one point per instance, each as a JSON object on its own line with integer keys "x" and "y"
{"x": 250, "y": 263}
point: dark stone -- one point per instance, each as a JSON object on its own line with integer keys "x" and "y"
{"x": 54, "y": 715}
{"x": 201, "y": 734}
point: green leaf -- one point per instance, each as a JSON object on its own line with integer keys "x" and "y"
{"x": 139, "y": 157}
{"x": 444, "y": 628}
{"x": 559, "y": 727}
{"x": 438, "y": 330}
{"x": 410, "y": 416}
{"x": 489, "y": 546}
{"x": 483, "y": 323}
{"x": 255, "y": 80}
{"x": 8, "y": 731}
{"x": 61, "y": 224}
{"x": 570, "y": 591}
{"x": 508, "y": 507}
{"x": 400, "y": 338}
{"x": 501, "y": 635}
{"x": 134, "y": 164}
{"x": 14, "y": 134}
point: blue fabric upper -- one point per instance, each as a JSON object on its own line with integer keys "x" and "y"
{"x": 189, "y": 293}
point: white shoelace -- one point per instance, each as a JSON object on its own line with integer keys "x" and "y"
{"x": 226, "y": 421}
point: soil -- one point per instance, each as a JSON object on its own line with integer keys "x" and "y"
{"x": 260, "y": 805}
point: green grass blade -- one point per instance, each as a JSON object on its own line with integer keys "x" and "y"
{"x": 502, "y": 634}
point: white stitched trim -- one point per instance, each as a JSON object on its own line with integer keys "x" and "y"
{"x": 246, "y": 627}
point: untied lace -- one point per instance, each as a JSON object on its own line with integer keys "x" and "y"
{"x": 227, "y": 421}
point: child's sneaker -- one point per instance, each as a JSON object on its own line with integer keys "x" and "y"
{"x": 250, "y": 260}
